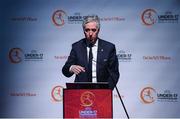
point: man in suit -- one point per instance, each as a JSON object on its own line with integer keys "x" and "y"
{"x": 92, "y": 59}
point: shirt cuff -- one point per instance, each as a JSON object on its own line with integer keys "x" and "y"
{"x": 70, "y": 69}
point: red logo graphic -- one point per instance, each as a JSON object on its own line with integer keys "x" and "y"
{"x": 57, "y": 93}
{"x": 15, "y": 55}
{"x": 87, "y": 98}
{"x": 148, "y": 95}
{"x": 149, "y": 17}
{"x": 58, "y": 17}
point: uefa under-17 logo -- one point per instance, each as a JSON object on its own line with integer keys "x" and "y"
{"x": 15, "y": 55}
{"x": 59, "y": 17}
{"x": 87, "y": 99}
{"x": 149, "y": 17}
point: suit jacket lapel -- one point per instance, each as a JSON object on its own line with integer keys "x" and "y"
{"x": 99, "y": 56}
{"x": 84, "y": 53}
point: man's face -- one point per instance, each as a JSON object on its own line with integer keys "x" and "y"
{"x": 91, "y": 31}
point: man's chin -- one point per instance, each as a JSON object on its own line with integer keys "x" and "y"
{"x": 92, "y": 41}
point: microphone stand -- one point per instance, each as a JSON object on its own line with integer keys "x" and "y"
{"x": 116, "y": 91}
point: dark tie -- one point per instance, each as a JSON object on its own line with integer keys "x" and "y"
{"x": 90, "y": 64}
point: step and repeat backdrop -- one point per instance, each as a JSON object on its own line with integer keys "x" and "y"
{"x": 36, "y": 38}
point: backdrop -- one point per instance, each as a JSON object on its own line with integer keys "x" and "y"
{"x": 36, "y": 38}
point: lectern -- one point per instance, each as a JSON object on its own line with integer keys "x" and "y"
{"x": 87, "y": 100}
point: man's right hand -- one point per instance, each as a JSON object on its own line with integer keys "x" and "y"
{"x": 76, "y": 69}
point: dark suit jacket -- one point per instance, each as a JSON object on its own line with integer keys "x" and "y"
{"x": 107, "y": 62}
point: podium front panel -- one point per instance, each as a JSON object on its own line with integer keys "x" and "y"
{"x": 87, "y": 103}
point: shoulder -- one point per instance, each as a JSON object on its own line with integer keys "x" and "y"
{"x": 78, "y": 43}
{"x": 106, "y": 43}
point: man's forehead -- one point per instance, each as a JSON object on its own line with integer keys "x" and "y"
{"x": 91, "y": 24}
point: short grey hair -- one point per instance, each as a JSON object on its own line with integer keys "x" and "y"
{"x": 91, "y": 18}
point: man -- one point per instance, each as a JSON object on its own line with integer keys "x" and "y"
{"x": 92, "y": 59}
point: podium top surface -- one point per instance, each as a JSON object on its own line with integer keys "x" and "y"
{"x": 87, "y": 85}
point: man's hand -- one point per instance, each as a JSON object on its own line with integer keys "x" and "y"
{"x": 77, "y": 69}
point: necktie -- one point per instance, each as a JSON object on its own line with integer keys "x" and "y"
{"x": 90, "y": 64}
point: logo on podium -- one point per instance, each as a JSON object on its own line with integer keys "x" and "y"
{"x": 87, "y": 99}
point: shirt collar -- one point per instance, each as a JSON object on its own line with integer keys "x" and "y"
{"x": 96, "y": 44}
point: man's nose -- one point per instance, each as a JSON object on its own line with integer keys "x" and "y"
{"x": 90, "y": 33}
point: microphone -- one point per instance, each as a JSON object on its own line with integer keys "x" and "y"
{"x": 113, "y": 81}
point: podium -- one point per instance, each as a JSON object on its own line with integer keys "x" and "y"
{"x": 87, "y": 100}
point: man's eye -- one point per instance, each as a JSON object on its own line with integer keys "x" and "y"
{"x": 94, "y": 30}
{"x": 87, "y": 30}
